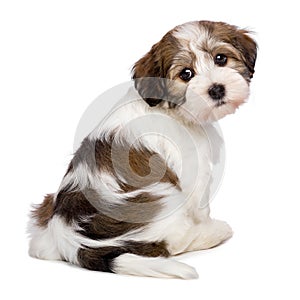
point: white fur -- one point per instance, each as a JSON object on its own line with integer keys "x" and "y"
{"x": 190, "y": 32}
{"x": 130, "y": 264}
{"x": 201, "y": 107}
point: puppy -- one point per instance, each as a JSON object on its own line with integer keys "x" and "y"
{"x": 137, "y": 190}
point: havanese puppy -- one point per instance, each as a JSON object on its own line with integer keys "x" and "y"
{"x": 132, "y": 197}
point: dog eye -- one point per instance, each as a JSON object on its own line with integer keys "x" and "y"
{"x": 186, "y": 74}
{"x": 220, "y": 60}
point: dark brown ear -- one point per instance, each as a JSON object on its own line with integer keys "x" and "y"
{"x": 146, "y": 73}
{"x": 151, "y": 71}
{"x": 248, "y": 47}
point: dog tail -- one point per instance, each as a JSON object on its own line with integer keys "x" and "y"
{"x": 120, "y": 261}
{"x": 131, "y": 264}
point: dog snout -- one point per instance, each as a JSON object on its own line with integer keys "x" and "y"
{"x": 217, "y": 91}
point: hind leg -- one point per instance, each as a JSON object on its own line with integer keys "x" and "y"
{"x": 43, "y": 242}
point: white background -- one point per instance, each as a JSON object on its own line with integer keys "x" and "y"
{"x": 57, "y": 56}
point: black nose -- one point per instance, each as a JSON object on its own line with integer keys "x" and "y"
{"x": 217, "y": 91}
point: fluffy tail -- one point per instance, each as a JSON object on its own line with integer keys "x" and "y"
{"x": 132, "y": 264}
{"x": 135, "y": 258}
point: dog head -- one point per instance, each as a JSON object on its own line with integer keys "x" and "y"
{"x": 201, "y": 69}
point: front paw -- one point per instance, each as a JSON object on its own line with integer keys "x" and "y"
{"x": 211, "y": 234}
{"x": 221, "y": 231}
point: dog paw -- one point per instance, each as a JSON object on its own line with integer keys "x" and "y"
{"x": 221, "y": 231}
{"x": 211, "y": 234}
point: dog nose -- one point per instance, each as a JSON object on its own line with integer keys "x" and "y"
{"x": 217, "y": 91}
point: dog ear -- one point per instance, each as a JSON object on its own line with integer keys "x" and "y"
{"x": 149, "y": 76}
{"x": 151, "y": 71}
{"x": 248, "y": 47}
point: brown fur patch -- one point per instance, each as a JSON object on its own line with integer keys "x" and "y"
{"x": 117, "y": 219}
{"x": 102, "y": 259}
{"x": 122, "y": 160}
{"x": 43, "y": 212}
{"x": 88, "y": 210}
{"x": 101, "y": 226}
{"x": 140, "y": 166}
{"x": 73, "y": 205}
